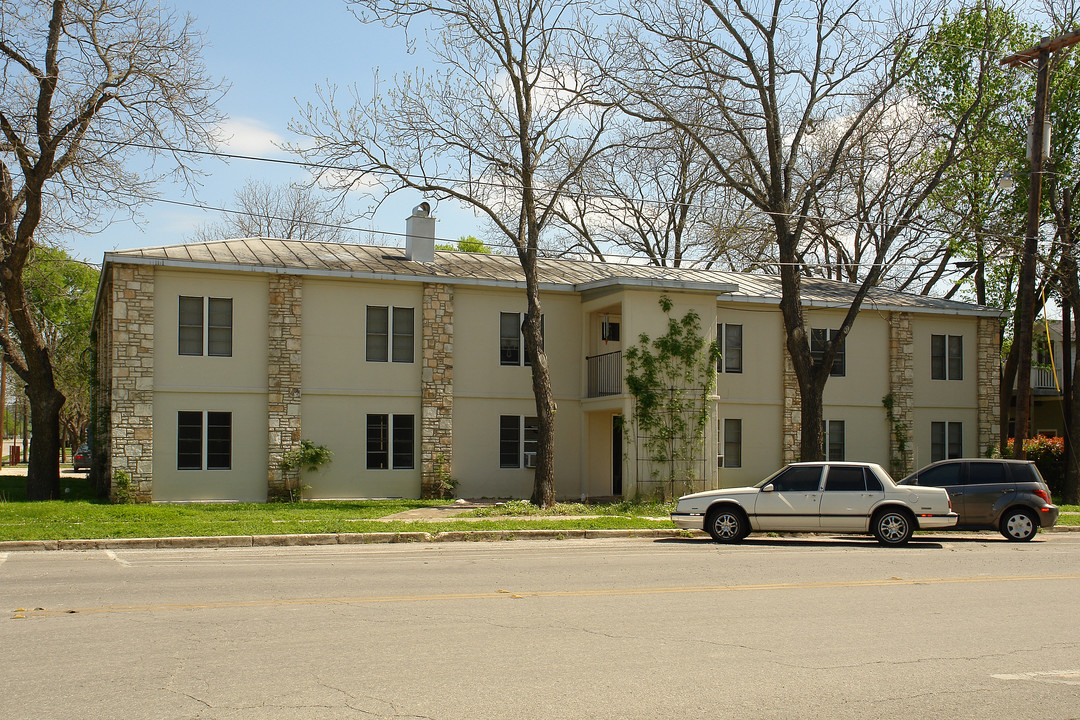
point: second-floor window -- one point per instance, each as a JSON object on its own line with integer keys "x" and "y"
{"x": 729, "y": 338}
{"x": 205, "y": 326}
{"x": 389, "y": 334}
{"x": 947, "y": 357}
{"x": 817, "y": 350}
{"x": 511, "y": 342}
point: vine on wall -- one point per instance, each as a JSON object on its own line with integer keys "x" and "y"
{"x": 670, "y": 379}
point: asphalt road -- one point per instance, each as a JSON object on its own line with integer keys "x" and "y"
{"x": 954, "y": 627}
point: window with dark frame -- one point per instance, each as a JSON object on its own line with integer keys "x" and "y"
{"x": 512, "y": 341}
{"x": 732, "y": 443}
{"x": 389, "y": 334}
{"x": 834, "y": 440}
{"x": 518, "y": 435}
{"x": 391, "y": 441}
{"x": 190, "y": 440}
{"x": 403, "y": 433}
{"x": 189, "y": 435}
{"x": 219, "y": 324}
{"x": 190, "y": 338}
{"x": 729, "y": 339}
{"x": 204, "y": 323}
{"x": 403, "y": 335}
{"x": 817, "y": 350}
{"x": 946, "y": 440}
{"x": 947, "y": 357}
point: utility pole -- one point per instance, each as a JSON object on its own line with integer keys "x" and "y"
{"x": 1041, "y": 55}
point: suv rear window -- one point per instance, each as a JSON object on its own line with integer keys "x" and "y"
{"x": 1026, "y": 472}
{"x": 987, "y": 473}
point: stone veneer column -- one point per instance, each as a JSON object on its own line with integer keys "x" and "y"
{"x": 792, "y": 430}
{"x": 436, "y": 388}
{"x": 284, "y": 377}
{"x": 987, "y": 378}
{"x": 901, "y": 387}
{"x": 131, "y": 407}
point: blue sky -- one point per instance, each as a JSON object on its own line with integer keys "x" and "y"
{"x": 273, "y": 53}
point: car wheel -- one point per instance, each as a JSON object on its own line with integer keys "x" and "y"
{"x": 893, "y": 527}
{"x": 727, "y": 525}
{"x": 1019, "y": 525}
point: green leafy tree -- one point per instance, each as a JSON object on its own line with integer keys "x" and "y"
{"x": 61, "y": 291}
{"x": 466, "y": 243}
{"x": 671, "y": 378}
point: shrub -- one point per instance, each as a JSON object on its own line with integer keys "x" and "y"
{"x": 1048, "y": 454}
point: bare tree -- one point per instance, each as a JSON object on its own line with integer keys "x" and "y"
{"x": 771, "y": 73}
{"x": 289, "y": 211}
{"x": 504, "y": 127}
{"x": 85, "y": 85}
{"x": 654, "y": 194}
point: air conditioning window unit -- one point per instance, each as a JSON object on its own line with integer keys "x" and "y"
{"x": 530, "y": 459}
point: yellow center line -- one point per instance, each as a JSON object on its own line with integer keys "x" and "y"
{"x": 888, "y": 582}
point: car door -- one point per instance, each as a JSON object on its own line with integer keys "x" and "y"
{"x": 949, "y": 476}
{"x": 986, "y": 484}
{"x": 849, "y": 494}
{"x": 791, "y": 500}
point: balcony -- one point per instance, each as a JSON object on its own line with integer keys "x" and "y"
{"x": 605, "y": 374}
{"x": 1042, "y": 378}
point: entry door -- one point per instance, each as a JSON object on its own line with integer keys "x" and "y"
{"x": 616, "y": 455}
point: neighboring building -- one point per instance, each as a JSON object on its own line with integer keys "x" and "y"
{"x": 216, "y": 358}
{"x": 1047, "y": 381}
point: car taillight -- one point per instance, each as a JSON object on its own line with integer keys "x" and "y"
{"x": 1044, "y": 495}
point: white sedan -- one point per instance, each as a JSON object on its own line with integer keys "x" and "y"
{"x": 832, "y": 497}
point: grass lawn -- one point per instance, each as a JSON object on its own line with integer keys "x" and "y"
{"x": 84, "y": 517}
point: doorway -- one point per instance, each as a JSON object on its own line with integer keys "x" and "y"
{"x": 617, "y": 455}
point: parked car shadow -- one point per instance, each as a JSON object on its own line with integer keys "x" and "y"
{"x": 808, "y": 541}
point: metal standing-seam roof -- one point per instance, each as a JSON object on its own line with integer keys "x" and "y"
{"x": 568, "y": 275}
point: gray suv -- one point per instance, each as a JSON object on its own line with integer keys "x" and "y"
{"x": 1009, "y": 496}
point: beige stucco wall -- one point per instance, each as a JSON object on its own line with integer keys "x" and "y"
{"x": 246, "y": 369}
{"x": 943, "y": 394}
{"x": 234, "y": 384}
{"x": 340, "y": 423}
{"x": 246, "y": 481}
{"x": 340, "y": 387}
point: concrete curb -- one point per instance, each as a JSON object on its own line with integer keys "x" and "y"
{"x": 228, "y": 541}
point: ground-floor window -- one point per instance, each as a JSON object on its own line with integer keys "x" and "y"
{"x": 730, "y": 443}
{"x": 834, "y": 440}
{"x": 203, "y": 440}
{"x": 390, "y": 441}
{"x": 946, "y": 440}
{"x": 518, "y": 435}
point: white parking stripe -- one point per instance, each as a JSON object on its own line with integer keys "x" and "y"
{"x": 112, "y": 556}
{"x": 3, "y": 557}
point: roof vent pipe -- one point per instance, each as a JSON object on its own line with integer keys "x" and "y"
{"x": 420, "y": 234}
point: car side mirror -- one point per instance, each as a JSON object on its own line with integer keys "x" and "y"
{"x": 768, "y": 488}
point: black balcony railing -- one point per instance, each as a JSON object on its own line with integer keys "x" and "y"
{"x": 605, "y": 374}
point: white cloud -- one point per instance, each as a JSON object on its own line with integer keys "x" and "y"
{"x": 249, "y": 137}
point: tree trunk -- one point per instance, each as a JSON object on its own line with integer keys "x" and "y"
{"x": 543, "y": 494}
{"x": 43, "y": 465}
